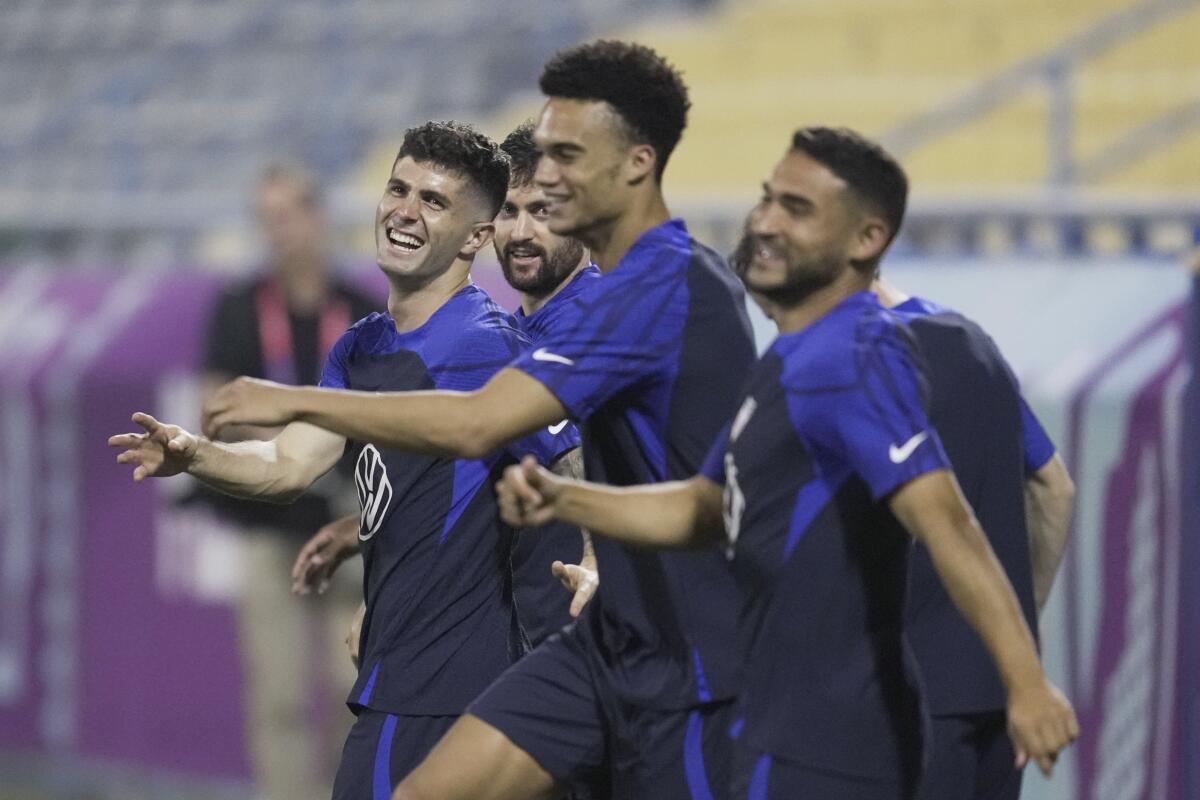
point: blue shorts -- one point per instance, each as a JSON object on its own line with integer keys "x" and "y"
{"x": 383, "y": 748}
{"x": 971, "y": 757}
{"x": 556, "y": 708}
{"x": 758, "y": 776}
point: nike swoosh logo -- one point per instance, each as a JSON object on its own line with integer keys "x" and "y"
{"x": 557, "y": 429}
{"x": 900, "y": 454}
{"x": 542, "y": 354}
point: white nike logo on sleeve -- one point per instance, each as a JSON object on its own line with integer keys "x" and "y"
{"x": 557, "y": 429}
{"x": 900, "y": 454}
{"x": 542, "y": 354}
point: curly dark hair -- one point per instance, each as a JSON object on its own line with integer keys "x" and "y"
{"x": 458, "y": 147}
{"x": 647, "y": 93}
{"x": 870, "y": 171}
{"x": 522, "y": 154}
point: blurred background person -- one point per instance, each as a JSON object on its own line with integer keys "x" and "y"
{"x": 280, "y": 324}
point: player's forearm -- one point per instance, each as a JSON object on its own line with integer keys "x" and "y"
{"x": 1049, "y": 503}
{"x": 247, "y": 469}
{"x": 978, "y": 586}
{"x": 675, "y": 515}
{"x": 434, "y": 423}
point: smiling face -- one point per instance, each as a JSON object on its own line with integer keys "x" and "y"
{"x": 587, "y": 165}
{"x": 427, "y": 218}
{"x": 535, "y": 261}
{"x": 805, "y": 232}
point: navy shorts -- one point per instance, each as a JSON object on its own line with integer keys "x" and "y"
{"x": 383, "y": 748}
{"x": 758, "y": 776}
{"x": 971, "y": 757}
{"x": 556, "y": 708}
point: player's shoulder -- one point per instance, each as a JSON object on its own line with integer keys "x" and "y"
{"x": 368, "y": 334}
{"x": 833, "y": 352}
{"x": 472, "y": 325}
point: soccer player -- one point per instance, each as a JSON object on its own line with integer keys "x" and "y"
{"x": 1004, "y": 463}
{"x": 548, "y": 272}
{"x": 651, "y": 361}
{"x": 438, "y": 622}
{"x": 827, "y": 463}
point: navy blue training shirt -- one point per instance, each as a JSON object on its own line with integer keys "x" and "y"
{"x": 652, "y": 364}
{"x": 542, "y": 604}
{"x": 986, "y": 430}
{"x": 833, "y": 421}
{"x": 439, "y": 622}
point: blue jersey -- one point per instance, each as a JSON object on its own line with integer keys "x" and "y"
{"x": 558, "y": 310}
{"x": 833, "y": 420}
{"x": 439, "y": 624}
{"x": 542, "y": 604}
{"x": 1038, "y": 447}
{"x": 651, "y": 363}
{"x": 986, "y": 430}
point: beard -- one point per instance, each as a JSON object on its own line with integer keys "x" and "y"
{"x": 801, "y": 278}
{"x": 554, "y": 268}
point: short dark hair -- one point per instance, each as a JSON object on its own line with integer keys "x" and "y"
{"x": 458, "y": 147}
{"x": 871, "y": 172}
{"x": 522, "y": 154}
{"x": 647, "y": 93}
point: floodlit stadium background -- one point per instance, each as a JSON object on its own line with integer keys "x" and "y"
{"x": 1054, "y": 149}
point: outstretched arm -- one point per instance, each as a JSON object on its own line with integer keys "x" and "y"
{"x": 677, "y": 514}
{"x": 1049, "y": 502}
{"x": 278, "y": 470}
{"x": 436, "y": 423}
{"x": 933, "y": 510}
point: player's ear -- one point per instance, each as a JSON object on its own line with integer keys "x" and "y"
{"x": 872, "y": 239}
{"x": 640, "y": 163}
{"x": 480, "y": 237}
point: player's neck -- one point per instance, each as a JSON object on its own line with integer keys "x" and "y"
{"x": 889, "y": 296}
{"x": 795, "y": 318}
{"x": 531, "y": 304}
{"x": 411, "y": 303}
{"x": 610, "y": 243}
{"x": 304, "y": 287}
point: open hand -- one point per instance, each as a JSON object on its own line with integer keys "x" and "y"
{"x": 160, "y": 451}
{"x": 323, "y": 554}
{"x": 247, "y": 401}
{"x": 1041, "y": 724}
{"x": 578, "y": 579}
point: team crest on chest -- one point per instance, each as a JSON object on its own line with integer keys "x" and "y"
{"x": 374, "y": 491}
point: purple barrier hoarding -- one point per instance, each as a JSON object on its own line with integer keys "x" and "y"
{"x": 102, "y": 654}
{"x": 110, "y": 648}
{"x": 1125, "y": 641}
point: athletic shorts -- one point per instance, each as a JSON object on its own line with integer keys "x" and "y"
{"x": 553, "y": 706}
{"x": 971, "y": 757}
{"x": 759, "y": 776}
{"x": 383, "y": 748}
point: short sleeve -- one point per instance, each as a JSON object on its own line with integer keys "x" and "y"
{"x": 1038, "y": 447}
{"x": 713, "y": 467}
{"x": 879, "y": 426}
{"x": 336, "y": 373}
{"x": 548, "y": 444}
{"x": 622, "y": 332}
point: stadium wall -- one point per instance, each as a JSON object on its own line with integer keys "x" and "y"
{"x": 117, "y": 644}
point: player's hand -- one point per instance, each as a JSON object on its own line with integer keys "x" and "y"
{"x": 160, "y": 451}
{"x": 321, "y": 555}
{"x": 578, "y": 579}
{"x": 355, "y": 633}
{"x": 526, "y": 494}
{"x": 1041, "y": 724}
{"x": 247, "y": 401}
